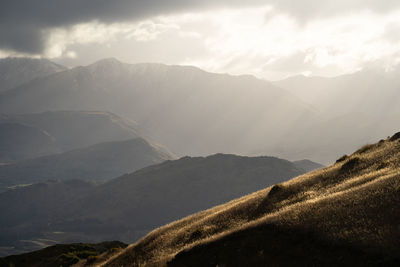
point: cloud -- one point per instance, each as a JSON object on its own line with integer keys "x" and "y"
{"x": 309, "y": 9}
{"x": 279, "y": 47}
{"x": 392, "y": 32}
{"x": 22, "y": 38}
{"x": 26, "y": 25}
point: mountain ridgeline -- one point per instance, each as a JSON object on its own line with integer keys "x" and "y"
{"x": 99, "y": 162}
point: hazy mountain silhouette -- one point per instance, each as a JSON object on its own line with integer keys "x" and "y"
{"x": 76, "y": 129}
{"x": 17, "y": 71}
{"x": 128, "y": 207}
{"x": 373, "y": 92}
{"x": 357, "y": 109}
{"x": 190, "y": 111}
{"x": 342, "y": 215}
{"x": 98, "y": 163}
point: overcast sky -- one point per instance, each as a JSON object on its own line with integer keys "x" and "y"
{"x": 271, "y": 39}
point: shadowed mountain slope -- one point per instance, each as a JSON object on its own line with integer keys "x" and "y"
{"x": 342, "y": 215}
{"x": 76, "y": 129}
{"x": 162, "y": 193}
{"x": 17, "y": 71}
{"x": 21, "y": 141}
{"x": 24, "y": 210}
{"x": 128, "y": 207}
{"x": 98, "y": 162}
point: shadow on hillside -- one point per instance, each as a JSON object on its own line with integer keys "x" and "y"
{"x": 263, "y": 244}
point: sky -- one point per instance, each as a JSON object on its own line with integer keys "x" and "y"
{"x": 271, "y": 39}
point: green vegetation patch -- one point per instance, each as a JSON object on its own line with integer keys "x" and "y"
{"x": 61, "y": 255}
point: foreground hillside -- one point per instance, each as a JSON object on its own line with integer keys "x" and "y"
{"x": 128, "y": 207}
{"x": 345, "y": 214}
{"x": 99, "y": 162}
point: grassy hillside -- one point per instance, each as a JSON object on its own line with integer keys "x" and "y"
{"x": 342, "y": 215}
{"x": 99, "y": 162}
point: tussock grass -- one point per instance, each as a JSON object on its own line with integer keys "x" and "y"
{"x": 352, "y": 204}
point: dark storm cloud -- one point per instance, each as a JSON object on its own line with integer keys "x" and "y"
{"x": 24, "y": 24}
{"x": 22, "y": 37}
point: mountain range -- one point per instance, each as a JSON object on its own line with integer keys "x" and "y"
{"x": 190, "y": 111}
{"x": 193, "y": 112}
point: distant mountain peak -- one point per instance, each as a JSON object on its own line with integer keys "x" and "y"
{"x": 106, "y": 61}
{"x": 107, "y": 67}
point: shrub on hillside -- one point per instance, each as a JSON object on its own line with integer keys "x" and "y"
{"x": 396, "y": 136}
{"x": 342, "y": 158}
{"x": 350, "y": 164}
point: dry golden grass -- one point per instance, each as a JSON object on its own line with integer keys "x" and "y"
{"x": 353, "y": 201}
